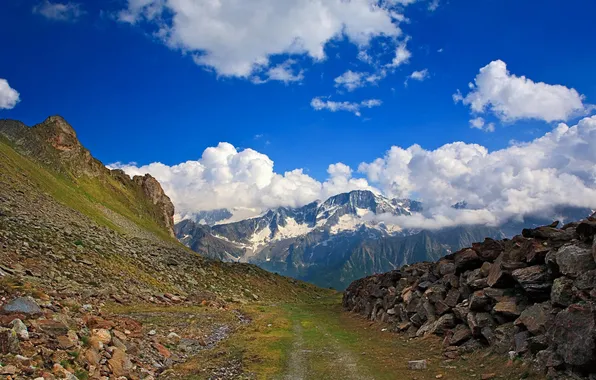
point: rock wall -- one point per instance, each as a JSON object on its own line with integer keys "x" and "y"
{"x": 532, "y": 296}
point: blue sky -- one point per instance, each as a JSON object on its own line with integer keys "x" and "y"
{"x": 136, "y": 96}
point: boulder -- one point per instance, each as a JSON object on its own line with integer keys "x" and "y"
{"x": 22, "y": 305}
{"x": 548, "y": 233}
{"x": 466, "y": 259}
{"x": 417, "y": 364}
{"x": 479, "y": 301}
{"x": 561, "y": 293}
{"x": 521, "y": 342}
{"x": 9, "y": 341}
{"x": 452, "y": 297}
{"x": 477, "y": 321}
{"x": 120, "y": 363}
{"x": 574, "y": 260}
{"x": 488, "y": 250}
{"x": 504, "y": 335}
{"x": 574, "y": 333}
{"x": 535, "y": 280}
{"x": 443, "y": 324}
{"x": 498, "y": 277}
{"x": 535, "y": 318}
{"x": 446, "y": 267}
{"x": 586, "y": 230}
{"x": 20, "y": 329}
{"x": 508, "y": 307}
{"x": 586, "y": 280}
{"x": 461, "y": 333}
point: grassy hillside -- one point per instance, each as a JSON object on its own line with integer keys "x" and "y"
{"x": 88, "y": 195}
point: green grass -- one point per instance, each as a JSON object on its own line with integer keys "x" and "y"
{"x": 84, "y": 194}
{"x": 333, "y": 342}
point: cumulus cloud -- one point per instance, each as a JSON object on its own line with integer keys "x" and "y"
{"x": 402, "y": 55}
{"x": 238, "y": 38}
{"x": 9, "y": 97}
{"x": 511, "y": 98}
{"x": 227, "y": 178}
{"x": 59, "y": 11}
{"x": 533, "y": 178}
{"x": 557, "y": 169}
{"x": 283, "y": 72}
{"x": 479, "y": 123}
{"x": 320, "y": 104}
{"x": 351, "y": 80}
{"x": 417, "y": 75}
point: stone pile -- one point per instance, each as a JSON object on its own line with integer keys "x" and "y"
{"x": 532, "y": 296}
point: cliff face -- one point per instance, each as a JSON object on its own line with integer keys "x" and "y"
{"x": 154, "y": 192}
{"x": 54, "y": 144}
{"x": 533, "y": 296}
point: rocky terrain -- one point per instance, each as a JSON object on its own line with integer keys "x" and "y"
{"x": 532, "y": 297}
{"x": 92, "y": 285}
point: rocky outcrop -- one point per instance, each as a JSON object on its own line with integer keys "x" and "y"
{"x": 154, "y": 192}
{"x": 54, "y": 143}
{"x": 533, "y": 296}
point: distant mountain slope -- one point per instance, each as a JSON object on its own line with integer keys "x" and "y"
{"x": 329, "y": 243}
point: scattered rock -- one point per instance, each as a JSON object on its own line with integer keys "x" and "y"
{"x": 22, "y": 305}
{"x": 417, "y": 364}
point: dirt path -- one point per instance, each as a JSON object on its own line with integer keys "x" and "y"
{"x": 297, "y": 359}
{"x": 316, "y": 353}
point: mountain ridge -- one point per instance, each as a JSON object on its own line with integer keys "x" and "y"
{"x": 54, "y": 143}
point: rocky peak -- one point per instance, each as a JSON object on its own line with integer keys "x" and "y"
{"x": 59, "y": 133}
{"x": 54, "y": 144}
{"x": 153, "y": 190}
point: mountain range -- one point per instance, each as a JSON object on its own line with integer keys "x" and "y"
{"x": 329, "y": 243}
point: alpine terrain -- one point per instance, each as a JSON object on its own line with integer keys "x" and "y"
{"x": 93, "y": 285}
{"x": 332, "y": 243}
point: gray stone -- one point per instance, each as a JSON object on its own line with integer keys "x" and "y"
{"x": 535, "y": 318}
{"x": 574, "y": 260}
{"x": 22, "y": 305}
{"x": 586, "y": 280}
{"x": 561, "y": 293}
{"x": 574, "y": 334}
{"x": 20, "y": 329}
{"x": 535, "y": 280}
{"x": 479, "y": 301}
{"x": 461, "y": 333}
{"x": 417, "y": 364}
{"x": 9, "y": 341}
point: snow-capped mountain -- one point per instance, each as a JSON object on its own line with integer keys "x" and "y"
{"x": 333, "y": 242}
{"x": 347, "y": 212}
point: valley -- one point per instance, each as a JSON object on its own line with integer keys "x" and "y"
{"x": 93, "y": 284}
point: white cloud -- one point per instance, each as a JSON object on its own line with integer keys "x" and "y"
{"x": 558, "y": 168}
{"x": 320, "y": 104}
{"x": 434, "y": 4}
{"x": 402, "y": 55}
{"x": 227, "y": 178}
{"x": 511, "y": 98}
{"x": 351, "y": 80}
{"x": 283, "y": 72}
{"x": 59, "y": 11}
{"x": 238, "y": 38}
{"x": 479, "y": 123}
{"x": 417, "y": 75}
{"x": 9, "y": 97}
